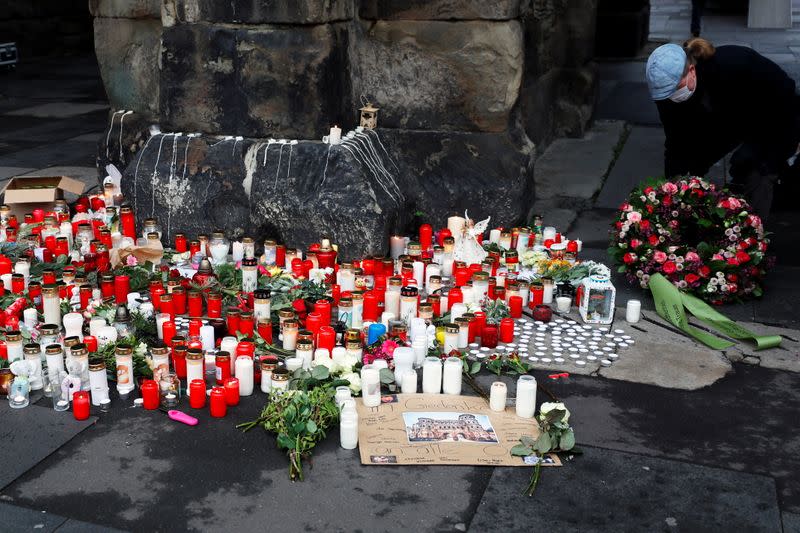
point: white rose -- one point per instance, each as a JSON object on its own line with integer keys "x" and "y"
{"x": 327, "y": 362}
{"x": 355, "y": 382}
{"x": 549, "y": 406}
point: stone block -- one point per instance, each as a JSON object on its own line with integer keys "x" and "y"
{"x": 128, "y": 54}
{"x": 435, "y": 75}
{"x": 126, "y": 9}
{"x": 255, "y": 81}
{"x": 439, "y": 9}
{"x": 264, "y": 11}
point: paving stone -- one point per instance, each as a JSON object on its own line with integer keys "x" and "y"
{"x": 16, "y": 518}
{"x": 9, "y": 172}
{"x": 785, "y": 357}
{"x": 630, "y": 101}
{"x": 64, "y": 153}
{"x": 574, "y": 167}
{"x": 605, "y": 490}
{"x": 641, "y": 157}
{"x": 791, "y": 522}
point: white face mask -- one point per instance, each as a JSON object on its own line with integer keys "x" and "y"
{"x": 682, "y": 94}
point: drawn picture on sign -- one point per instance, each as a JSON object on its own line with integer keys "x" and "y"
{"x": 449, "y": 427}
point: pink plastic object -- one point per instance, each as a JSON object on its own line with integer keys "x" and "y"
{"x": 180, "y": 416}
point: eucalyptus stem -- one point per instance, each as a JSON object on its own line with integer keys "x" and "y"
{"x": 534, "y": 477}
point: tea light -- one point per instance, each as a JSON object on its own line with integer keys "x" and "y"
{"x": 580, "y": 364}
{"x": 293, "y": 363}
{"x": 605, "y": 362}
{"x": 563, "y": 304}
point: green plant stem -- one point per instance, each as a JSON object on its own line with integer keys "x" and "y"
{"x": 531, "y": 488}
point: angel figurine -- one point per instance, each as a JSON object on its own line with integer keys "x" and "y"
{"x": 467, "y": 248}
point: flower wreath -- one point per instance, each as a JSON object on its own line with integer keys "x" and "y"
{"x": 700, "y": 237}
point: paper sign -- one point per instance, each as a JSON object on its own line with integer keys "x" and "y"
{"x": 439, "y": 429}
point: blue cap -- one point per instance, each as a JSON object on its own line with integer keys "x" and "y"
{"x": 664, "y": 71}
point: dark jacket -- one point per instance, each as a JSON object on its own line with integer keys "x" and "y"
{"x": 741, "y": 97}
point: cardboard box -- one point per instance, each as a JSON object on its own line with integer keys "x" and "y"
{"x": 23, "y": 194}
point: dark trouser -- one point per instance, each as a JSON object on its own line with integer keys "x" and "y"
{"x": 697, "y": 14}
{"x": 754, "y": 177}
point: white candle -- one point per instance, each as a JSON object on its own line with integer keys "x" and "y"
{"x": 548, "y": 233}
{"x": 98, "y": 381}
{"x": 432, "y": 376}
{"x": 244, "y": 373}
{"x": 321, "y": 353}
{"x": 30, "y": 317}
{"x": 397, "y": 246}
{"x": 457, "y": 311}
{"x": 468, "y": 294}
{"x": 219, "y": 253}
{"x": 305, "y": 354}
{"x": 408, "y": 381}
{"x": 335, "y": 135}
{"x": 451, "y": 380}
{"x": 386, "y": 316}
{"x": 95, "y": 324}
{"x": 207, "y": 337}
{"x": 463, "y": 336}
{"x": 249, "y": 278}
{"x": 293, "y": 363}
{"x": 125, "y": 382}
{"x": 357, "y": 316}
{"x": 494, "y": 236}
{"x": 563, "y": 304}
{"x": 432, "y": 270}
{"x": 290, "y": 337}
{"x": 51, "y": 306}
{"x": 633, "y": 311}
{"x": 65, "y": 230}
{"x": 447, "y": 265}
{"x": 338, "y": 354}
{"x": 55, "y": 364}
{"x": 497, "y": 396}
{"x": 547, "y": 295}
{"x": 346, "y": 279}
{"x": 348, "y": 430}
{"x": 380, "y": 363}
{"x": 229, "y": 344}
{"x": 261, "y": 308}
{"x": 456, "y": 225}
{"x": 6, "y": 278}
{"x": 370, "y": 386}
{"x": 161, "y": 318}
{"x": 24, "y": 268}
{"x": 420, "y": 347}
{"x": 419, "y": 272}
{"x": 106, "y": 335}
{"x": 237, "y": 251}
{"x": 451, "y": 338}
{"x": 403, "y": 360}
{"x": 392, "y": 302}
{"x": 526, "y": 396}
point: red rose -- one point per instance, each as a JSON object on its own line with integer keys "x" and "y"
{"x": 635, "y": 243}
{"x": 732, "y": 277}
{"x": 733, "y": 261}
{"x": 299, "y": 305}
{"x": 667, "y": 201}
{"x": 669, "y": 267}
{"x": 653, "y": 240}
{"x": 628, "y": 258}
{"x": 649, "y": 209}
{"x": 704, "y": 271}
{"x": 648, "y": 190}
{"x": 742, "y": 257}
{"x": 691, "y": 279}
{"x": 644, "y": 225}
{"x": 619, "y": 224}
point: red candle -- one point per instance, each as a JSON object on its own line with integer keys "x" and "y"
{"x": 222, "y": 365}
{"x": 5, "y": 265}
{"x": 194, "y": 247}
{"x": 308, "y": 264}
{"x": 38, "y": 216}
{"x": 336, "y": 293}
{"x": 265, "y": 329}
{"x": 232, "y": 391}
{"x": 443, "y": 233}
{"x": 462, "y": 276}
{"x": 195, "y": 304}
{"x": 515, "y": 306}
{"x": 280, "y": 255}
{"x": 197, "y": 394}
{"x": 17, "y": 283}
{"x": 480, "y": 322}
{"x": 247, "y": 324}
{"x": 179, "y": 300}
{"x": 80, "y": 405}
{"x": 314, "y": 322}
{"x": 214, "y": 305}
{"x": 326, "y": 338}
{"x": 323, "y": 307}
{"x": 507, "y": 330}
{"x": 128, "y": 222}
{"x": 181, "y": 244}
{"x": 246, "y": 347}
{"x": 436, "y": 302}
{"x": 91, "y": 343}
{"x": 150, "y": 394}
{"x": 167, "y": 305}
{"x": 218, "y": 406}
{"x": 122, "y": 286}
{"x": 297, "y": 267}
{"x": 179, "y": 360}
{"x": 426, "y": 236}
{"x": 536, "y": 296}
{"x": 370, "y": 312}
{"x": 489, "y": 336}
{"x": 49, "y": 277}
{"x": 454, "y": 296}
{"x": 155, "y": 295}
{"x": 194, "y": 327}
{"x": 168, "y": 331}
{"x": 233, "y": 317}
{"x": 3, "y": 350}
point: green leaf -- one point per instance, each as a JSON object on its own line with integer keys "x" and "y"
{"x": 567, "y": 440}
{"x": 320, "y": 372}
{"x": 528, "y": 441}
{"x": 622, "y": 268}
{"x": 543, "y": 443}
{"x": 298, "y": 427}
{"x": 705, "y": 223}
{"x": 521, "y": 450}
{"x": 285, "y": 442}
{"x": 311, "y": 426}
{"x": 387, "y": 376}
{"x": 476, "y": 367}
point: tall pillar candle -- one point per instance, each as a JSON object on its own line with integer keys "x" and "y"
{"x": 408, "y": 381}
{"x": 633, "y": 311}
{"x": 403, "y": 360}
{"x": 526, "y": 396}
{"x": 392, "y": 302}
{"x": 348, "y": 430}
{"x": 397, "y": 246}
{"x": 497, "y": 396}
{"x": 244, "y": 373}
{"x": 432, "y": 376}
{"x": 451, "y": 378}
{"x": 370, "y": 386}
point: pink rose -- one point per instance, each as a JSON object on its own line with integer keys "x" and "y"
{"x": 692, "y": 256}
{"x": 635, "y": 243}
{"x": 669, "y": 188}
{"x": 734, "y": 203}
{"x": 634, "y": 216}
{"x": 660, "y": 256}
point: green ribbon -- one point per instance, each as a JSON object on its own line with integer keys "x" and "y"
{"x": 670, "y": 304}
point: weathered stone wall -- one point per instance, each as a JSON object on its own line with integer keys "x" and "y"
{"x": 467, "y": 90}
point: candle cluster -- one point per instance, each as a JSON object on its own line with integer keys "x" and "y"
{"x": 87, "y": 299}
